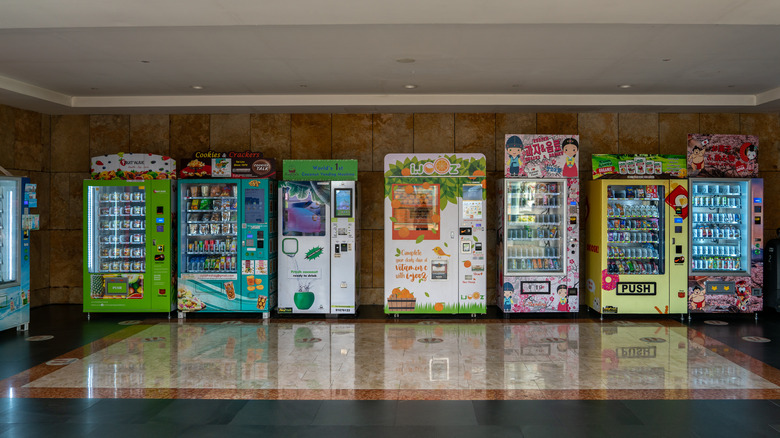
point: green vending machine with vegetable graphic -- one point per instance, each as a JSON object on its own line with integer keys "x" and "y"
{"x": 318, "y": 263}
{"x": 435, "y": 232}
{"x": 128, "y": 239}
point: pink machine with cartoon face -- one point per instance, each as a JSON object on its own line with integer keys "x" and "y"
{"x": 726, "y": 266}
{"x": 538, "y": 229}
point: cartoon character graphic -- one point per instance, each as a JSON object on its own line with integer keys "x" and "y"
{"x": 508, "y": 290}
{"x": 570, "y": 149}
{"x": 439, "y": 251}
{"x": 514, "y": 147}
{"x": 696, "y": 298}
{"x": 743, "y": 297}
{"x": 748, "y": 152}
{"x": 563, "y": 304}
{"x": 697, "y": 155}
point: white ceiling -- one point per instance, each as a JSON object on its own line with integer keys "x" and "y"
{"x": 144, "y": 56}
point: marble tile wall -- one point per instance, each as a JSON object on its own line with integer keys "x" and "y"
{"x": 55, "y": 150}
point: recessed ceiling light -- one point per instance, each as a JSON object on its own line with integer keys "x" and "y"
{"x": 666, "y": 59}
{"x": 405, "y": 60}
{"x": 197, "y": 87}
{"x": 515, "y": 85}
{"x": 145, "y": 61}
{"x": 303, "y": 85}
{"x": 624, "y": 86}
{"x": 410, "y": 86}
{"x": 731, "y": 86}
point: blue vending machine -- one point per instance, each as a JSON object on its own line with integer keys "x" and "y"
{"x": 14, "y": 255}
{"x": 227, "y": 234}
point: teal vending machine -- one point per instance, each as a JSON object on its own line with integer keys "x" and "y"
{"x": 227, "y": 234}
{"x": 14, "y": 254}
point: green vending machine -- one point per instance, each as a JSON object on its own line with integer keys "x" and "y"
{"x": 128, "y": 239}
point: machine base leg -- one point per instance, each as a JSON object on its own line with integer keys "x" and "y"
{"x": 182, "y": 315}
{"x": 23, "y": 327}
{"x": 89, "y": 316}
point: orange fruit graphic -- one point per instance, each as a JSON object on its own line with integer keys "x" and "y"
{"x": 426, "y": 186}
{"x": 406, "y": 172}
{"x": 428, "y": 168}
{"x": 484, "y": 183}
{"x": 396, "y": 203}
{"x": 467, "y": 263}
{"x": 403, "y": 232}
{"x": 396, "y": 291}
{"x": 441, "y": 165}
{"x": 438, "y": 307}
{"x": 478, "y": 173}
{"x": 475, "y": 295}
{"x": 409, "y": 189}
{"x": 435, "y": 218}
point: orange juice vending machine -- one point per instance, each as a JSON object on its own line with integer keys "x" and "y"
{"x": 435, "y": 233}
{"x": 637, "y": 234}
{"x": 727, "y": 211}
{"x": 538, "y": 226}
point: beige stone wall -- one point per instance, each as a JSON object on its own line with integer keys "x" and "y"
{"x": 55, "y": 150}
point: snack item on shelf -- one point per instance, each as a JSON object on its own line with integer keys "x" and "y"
{"x": 217, "y": 204}
{"x": 204, "y": 190}
{"x": 226, "y": 191}
{"x": 193, "y": 188}
{"x": 215, "y": 216}
{"x": 225, "y": 228}
{"x": 215, "y": 190}
{"x": 215, "y": 229}
{"x": 203, "y": 229}
{"x": 195, "y": 204}
{"x": 205, "y": 204}
{"x": 225, "y": 216}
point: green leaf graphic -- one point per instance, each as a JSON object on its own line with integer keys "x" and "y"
{"x": 393, "y": 220}
{"x": 445, "y": 244}
{"x": 426, "y": 294}
{"x": 475, "y": 239}
{"x": 313, "y": 253}
{"x": 419, "y": 239}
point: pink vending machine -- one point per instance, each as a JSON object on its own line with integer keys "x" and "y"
{"x": 726, "y": 265}
{"x": 538, "y": 229}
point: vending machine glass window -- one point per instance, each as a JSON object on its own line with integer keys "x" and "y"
{"x": 303, "y": 218}
{"x": 254, "y": 206}
{"x": 635, "y": 229}
{"x": 209, "y": 236}
{"x": 117, "y": 229}
{"x": 534, "y": 231}
{"x": 10, "y": 238}
{"x": 719, "y": 227}
{"x": 415, "y": 211}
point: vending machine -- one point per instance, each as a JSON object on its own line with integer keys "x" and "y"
{"x": 538, "y": 229}
{"x": 14, "y": 256}
{"x": 637, "y": 234}
{"x": 319, "y": 231}
{"x": 435, "y": 233}
{"x": 129, "y": 220}
{"x": 227, "y": 234}
{"x": 727, "y": 226}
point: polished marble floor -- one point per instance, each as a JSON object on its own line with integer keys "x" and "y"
{"x": 522, "y": 376}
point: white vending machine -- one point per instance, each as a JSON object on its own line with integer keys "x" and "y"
{"x": 318, "y": 228}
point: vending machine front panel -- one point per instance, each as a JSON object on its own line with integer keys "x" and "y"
{"x": 535, "y": 215}
{"x": 720, "y": 227}
{"x": 10, "y": 232}
{"x": 636, "y": 229}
